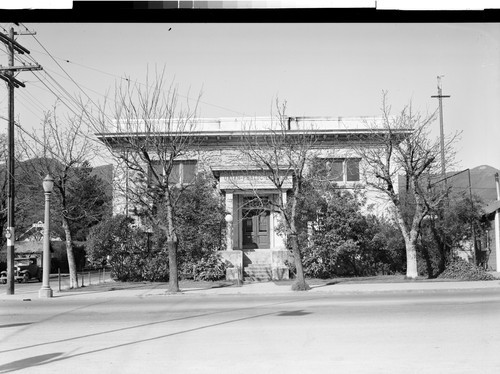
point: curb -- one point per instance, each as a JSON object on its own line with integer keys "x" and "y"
{"x": 269, "y": 289}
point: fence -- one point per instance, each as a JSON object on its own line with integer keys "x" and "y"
{"x": 85, "y": 278}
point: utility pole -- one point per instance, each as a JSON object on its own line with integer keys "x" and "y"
{"x": 7, "y": 74}
{"x": 440, "y": 96}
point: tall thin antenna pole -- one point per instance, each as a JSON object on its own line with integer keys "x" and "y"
{"x": 440, "y": 96}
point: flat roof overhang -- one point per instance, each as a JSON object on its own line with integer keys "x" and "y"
{"x": 234, "y": 139}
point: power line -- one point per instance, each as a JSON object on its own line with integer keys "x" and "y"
{"x": 117, "y": 76}
{"x": 65, "y": 72}
{"x": 90, "y": 89}
{"x": 59, "y": 97}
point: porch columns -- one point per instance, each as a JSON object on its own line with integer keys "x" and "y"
{"x": 282, "y": 245}
{"x": 497, "y": 225}
{"x": 229, "y": 221}
{"x": 497, "y": 239}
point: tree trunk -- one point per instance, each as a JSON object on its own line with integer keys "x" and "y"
{"x": 410, "y": 238}
{"x": 428, "y": 262}
{"x": 73, "y": 278}
{"x": 300, "y": 283}
{"x": 441, "y": 244}
{"x": 411, "y": 257}
{"x": 173, "y": 281}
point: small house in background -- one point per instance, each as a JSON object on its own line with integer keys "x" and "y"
{"x": 35, "y": 234}
{"x": 490, "y": 243}
{"x": 30, "y": 249}
{"x": 478, "y": 181}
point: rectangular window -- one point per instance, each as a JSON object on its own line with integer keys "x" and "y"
{"x": 188, "y": 171}
{"x": 155, "y": 171}
{"x": 182, "y": 172}
{"x": 343, "y": 169}
{"x": 337, "y": 170}
{"x": 175, "y": 174}
{"x": 352, "y": 169}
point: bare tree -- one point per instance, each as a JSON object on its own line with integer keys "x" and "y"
{"x": 402, "y": 146}
{"x": 282, "y": 154}
{"x": 150, "y": 134}
{"x": 61, "y": 149}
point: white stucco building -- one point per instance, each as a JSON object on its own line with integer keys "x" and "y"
{"x": 253, "y": 243}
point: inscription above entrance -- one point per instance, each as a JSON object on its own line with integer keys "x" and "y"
{"x": 249, "y": 180}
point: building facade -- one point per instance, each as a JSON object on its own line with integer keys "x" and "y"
{"x": 253, "y": 244}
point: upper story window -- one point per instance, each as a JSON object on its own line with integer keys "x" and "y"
{"x": 343, "y": 169}
{"x": 183, "y": 171}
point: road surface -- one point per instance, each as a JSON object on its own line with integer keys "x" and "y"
{"x": 435, "y": 332}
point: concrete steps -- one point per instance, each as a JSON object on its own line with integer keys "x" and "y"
{"x": 257, "y": 272}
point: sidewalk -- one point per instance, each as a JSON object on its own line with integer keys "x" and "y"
{"x": 269, "y": 288}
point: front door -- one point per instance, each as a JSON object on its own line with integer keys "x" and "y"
{"x": 255, "y": 229}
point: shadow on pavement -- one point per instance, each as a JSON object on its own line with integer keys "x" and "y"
{"x": 28, "y": 362}
{"x": 293, "y": 313}
{"x": 15, "y": 325}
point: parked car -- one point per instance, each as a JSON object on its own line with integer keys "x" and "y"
{"x": 25, "y": 269}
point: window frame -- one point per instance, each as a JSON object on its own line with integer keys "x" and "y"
{"x": 179, "y": 165}
{"x": 345, "y": 175}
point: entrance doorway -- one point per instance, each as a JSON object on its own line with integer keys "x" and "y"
{"x": 255, "y": 228}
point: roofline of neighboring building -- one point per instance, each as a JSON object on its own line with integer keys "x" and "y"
{"x": 492, "y": 207}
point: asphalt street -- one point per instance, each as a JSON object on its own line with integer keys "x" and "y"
{"x": 423, "y": 332}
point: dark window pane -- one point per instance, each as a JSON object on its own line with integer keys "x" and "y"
{"x": 158, "y": 170}
{"x": 263, "y": 221}
{"x": 352, "y": 166}
{"x": 337, "y": 170}
{"x": 188, "y": 171}
{"x": 174, "y": 177}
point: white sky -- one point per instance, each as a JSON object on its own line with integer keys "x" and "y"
{"x": 320, "y": 69}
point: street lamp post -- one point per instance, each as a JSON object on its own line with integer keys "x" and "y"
{"x": 46, "y": 291}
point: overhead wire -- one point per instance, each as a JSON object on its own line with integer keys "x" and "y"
{"x": 58, "y": 96}
{"x": 62, "y": 95}
{"x": 33, "y": 98}
{"x": 66, "y": 98}
{"x": 119, "y": 77}
{"x": 71, "y": 98}
{"x": 61, "y": 91}
{"x": 65, "y": 72}
{"x": 88, "y": 88}
{"x": 56, "y": 89}
{"x": 29, "y": 104}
